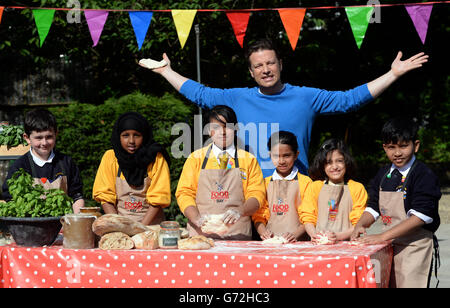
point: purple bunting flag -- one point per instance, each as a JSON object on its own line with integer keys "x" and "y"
{"x": 96, "y": 19}
{"x": 420, "y": 15}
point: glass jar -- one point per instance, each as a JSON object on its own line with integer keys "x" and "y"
{"x": 169, "y": 234}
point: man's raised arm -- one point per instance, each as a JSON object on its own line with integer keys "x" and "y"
{"x": 398, "y": 68}
{"x": 175, "y": 79}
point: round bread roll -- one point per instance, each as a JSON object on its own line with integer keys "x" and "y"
{"x": 116, "y": 241}
{"x": 196, "y": 242}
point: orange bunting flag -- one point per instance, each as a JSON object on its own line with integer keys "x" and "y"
{"x": 239, "y": 22}
{"x": 183, "y": 20}
{"x": 1, "y": 13}
{"x": 292, "y": 20}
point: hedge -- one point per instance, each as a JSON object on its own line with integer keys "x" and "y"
{"x": 85, "y": 134}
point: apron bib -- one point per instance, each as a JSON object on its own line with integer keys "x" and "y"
{"x": 59, "y": 183}
{"x": 334, "y": 207}
{"x": 412, "y": 252}
{"x": 284, "y": 199}
{"x": 218, "y": 191}
{"x": 131, "y": 201}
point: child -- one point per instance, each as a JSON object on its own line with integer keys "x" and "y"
{"x": 334, "y": 202}
{"x": 406, "y": 195}
{"x": 285, "y": 191}
{"x": 133, "y": 178}
{"x": 47, "y": 166}
{"x": 221, "y": 179}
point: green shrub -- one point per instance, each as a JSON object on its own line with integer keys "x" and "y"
{"x": 85, "y": 134}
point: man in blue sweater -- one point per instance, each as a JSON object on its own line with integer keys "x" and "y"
{"x": 274, "y": 105}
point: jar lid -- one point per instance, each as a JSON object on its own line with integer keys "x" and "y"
{"x": 169, "y": 225}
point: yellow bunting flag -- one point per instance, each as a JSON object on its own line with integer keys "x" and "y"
{"x": 183, "y": 20}
{"x": 292, "y": 20}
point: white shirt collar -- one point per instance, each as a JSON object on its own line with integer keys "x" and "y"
{"x": 291, "y": 176}
{"x": 231, "y": 150}
{"x": 405, "y": 169}
{"x": 41, "y": 162}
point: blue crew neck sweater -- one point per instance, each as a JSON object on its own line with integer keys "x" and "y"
{"x": 293, "y": 109}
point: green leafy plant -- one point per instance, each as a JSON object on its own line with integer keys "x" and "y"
{"x": 12, "y": 135}
{"x": 32, "y": 200}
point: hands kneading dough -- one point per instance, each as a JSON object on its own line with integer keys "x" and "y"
{"x": 277, "y": 239}
{"x": 152, "y": 64}
{"x": 213, "y": 224}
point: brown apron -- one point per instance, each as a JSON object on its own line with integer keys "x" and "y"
{"x": 284, "y": 199}
{"x": 413, "y": 252}
{"x": 132, "y": 202}
{"x": 59, "y": 183}
{"x": 218, "y": 191}
{"x": 334, "y": 206}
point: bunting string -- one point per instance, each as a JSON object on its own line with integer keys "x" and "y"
{"x": 359, "y": 17}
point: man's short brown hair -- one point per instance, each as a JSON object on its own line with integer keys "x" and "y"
{"x": 261, "y": 44}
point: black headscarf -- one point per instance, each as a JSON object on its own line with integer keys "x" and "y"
{"x": 134, "y": 166}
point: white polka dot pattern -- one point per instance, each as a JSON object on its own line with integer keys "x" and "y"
{"x": 228, "y": 264}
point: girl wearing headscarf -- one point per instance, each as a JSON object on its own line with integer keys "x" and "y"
{"x": 133, "y": 178}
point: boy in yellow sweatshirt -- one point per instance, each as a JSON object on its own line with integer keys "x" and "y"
{"x": 221, "y": 179}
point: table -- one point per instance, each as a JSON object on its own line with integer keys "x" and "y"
{"x": 228, "y": 265}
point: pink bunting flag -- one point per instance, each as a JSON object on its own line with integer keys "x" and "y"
{"x": 420, "y": 15}
{"x": 96, "y": 20}
{"x": 239, "y": 22}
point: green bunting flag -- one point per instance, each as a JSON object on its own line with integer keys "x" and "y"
{"x": 359, "y": 18}
{"x": 44, "y": 20}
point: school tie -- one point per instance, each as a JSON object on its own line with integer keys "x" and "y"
{"x": 223, "y": 157}
{"x": 394, "y": 180}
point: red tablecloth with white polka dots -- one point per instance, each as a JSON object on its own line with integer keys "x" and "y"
{"x": 227, "y": 265}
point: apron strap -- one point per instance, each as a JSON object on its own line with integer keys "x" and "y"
{"x": 436, "y": 259}
{"x": 205, "y": 160}
{"x": 119, "y": 172}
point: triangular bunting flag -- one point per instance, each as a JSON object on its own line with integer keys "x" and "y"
{"x": 239, "y": 22}
{"x": 140, "y": 22}
{"x": 420, "y": 15}
{"x": 1, "y": 13}
{"x": 44, "y": 20}
{"x": 359, "y": 18}
{"x": 96, "y": 21}
{"x": 183, "y": 20}
{"x": 292, "y": 20}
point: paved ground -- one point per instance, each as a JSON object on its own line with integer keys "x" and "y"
{"x": 443, "y": 236}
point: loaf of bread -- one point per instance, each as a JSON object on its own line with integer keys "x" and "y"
{"x": 116, "y": 223}
{"x": 116, "y": 241}
{"x": 196, "y": 242}
{"x": 146, "y": 240}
